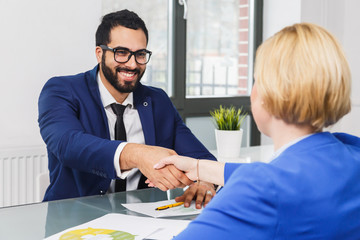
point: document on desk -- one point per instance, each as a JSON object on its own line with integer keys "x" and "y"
{"x": 119, "y": 226}
{"x": 150, "y": 209}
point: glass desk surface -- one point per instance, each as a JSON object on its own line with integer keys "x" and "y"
{"x": 41, "y": 220}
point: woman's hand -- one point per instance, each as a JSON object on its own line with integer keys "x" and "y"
{"x": 186, "y": 164}
{"x": 204, "y": 170}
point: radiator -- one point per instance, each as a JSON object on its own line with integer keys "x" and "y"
{"x": 19, "y": 168}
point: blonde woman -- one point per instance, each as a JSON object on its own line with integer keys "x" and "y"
{"x": 311, "y": 188}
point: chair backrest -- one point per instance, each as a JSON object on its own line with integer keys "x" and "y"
{"x": 42, "y": 182}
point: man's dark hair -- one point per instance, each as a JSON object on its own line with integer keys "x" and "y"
{"x": 123, "y": 18}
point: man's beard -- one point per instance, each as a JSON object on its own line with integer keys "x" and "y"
{"x": 112, "y": 77}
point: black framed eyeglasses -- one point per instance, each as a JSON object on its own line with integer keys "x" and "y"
{"x": 123, "y": 55}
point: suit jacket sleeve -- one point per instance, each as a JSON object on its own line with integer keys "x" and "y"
{"x": 68, "y": 128}
{"x": 229, "y": 169}
{"x": 246, "y": 208}
{"x": 187, "y": 144}
{"x": 163, "y": 126}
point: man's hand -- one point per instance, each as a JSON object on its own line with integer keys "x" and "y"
{"x": 202, "y": 193}
{"x": 144, "y": 157}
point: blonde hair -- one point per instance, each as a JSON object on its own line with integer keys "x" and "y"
{"x": 303, "y": 77}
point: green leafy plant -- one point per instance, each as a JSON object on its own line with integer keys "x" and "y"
{"x": 228, "y": 118}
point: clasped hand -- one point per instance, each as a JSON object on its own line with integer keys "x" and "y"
{"x": 202, "y": 191}
{"x": 167, "y": 175}
{"x": 144, "y": 157}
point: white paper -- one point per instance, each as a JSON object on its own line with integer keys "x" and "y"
{"x": 106, "y": 228}
{"x": 149, "y": 209}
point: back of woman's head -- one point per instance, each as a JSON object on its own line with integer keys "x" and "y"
{"x": 303, "y": 76}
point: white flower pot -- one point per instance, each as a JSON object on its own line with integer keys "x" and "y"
{"x": 228, "y": 143}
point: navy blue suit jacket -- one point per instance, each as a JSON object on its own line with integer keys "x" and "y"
{"x": 74, "y": 127}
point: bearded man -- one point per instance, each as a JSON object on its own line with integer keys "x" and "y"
{"x": 79, "y": 122}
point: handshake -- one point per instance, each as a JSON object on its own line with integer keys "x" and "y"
{"x": 174, "y": 171}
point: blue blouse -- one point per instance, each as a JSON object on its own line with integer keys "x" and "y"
{"x": 310, "y": 191}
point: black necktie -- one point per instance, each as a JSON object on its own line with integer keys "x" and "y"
{"x": 120, "y": 134}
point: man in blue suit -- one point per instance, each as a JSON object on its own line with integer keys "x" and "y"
{"x": 77, "y": 122}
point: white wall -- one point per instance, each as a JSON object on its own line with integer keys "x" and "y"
{"x": 347, "y": 27}
{"x": 339, "y": 17}
{"x": 40, "y": 39}
{"x": 278, "y": 14}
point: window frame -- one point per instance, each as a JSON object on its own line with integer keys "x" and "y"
{"x": 201, "y": 106}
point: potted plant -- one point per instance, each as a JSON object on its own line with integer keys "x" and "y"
{"x": 228, "y": 132}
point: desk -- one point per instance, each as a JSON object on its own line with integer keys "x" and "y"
{"x": 40, "y": 220}
{"x": 250, "y": 154}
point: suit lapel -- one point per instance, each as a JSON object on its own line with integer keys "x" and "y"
{"x": 94, "y": 91}
{"x": 144, "y": 106}
{"x": 93, "y": 86}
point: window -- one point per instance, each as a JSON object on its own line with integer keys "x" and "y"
{"x": 244, "y": 25}
{"x": 217, "y": 59}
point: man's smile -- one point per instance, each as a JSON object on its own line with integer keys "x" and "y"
{"x": 127, "y": 76}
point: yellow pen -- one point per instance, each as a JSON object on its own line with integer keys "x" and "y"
{"x": 169, "y": 206}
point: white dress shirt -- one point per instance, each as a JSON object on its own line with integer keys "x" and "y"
{"x": 134, "y": 133}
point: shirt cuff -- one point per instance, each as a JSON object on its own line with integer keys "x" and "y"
{"x": 118, "y": 151}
